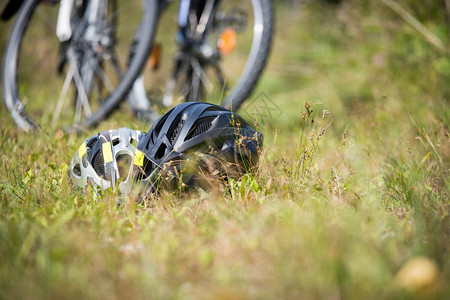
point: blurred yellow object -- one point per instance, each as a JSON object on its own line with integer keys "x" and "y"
{"x": 419, "y": 275}
{"x": 227, "y": 41}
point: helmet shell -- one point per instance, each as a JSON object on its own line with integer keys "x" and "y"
{"x": 106, "y": 160}
{"x": 198, "y": 127}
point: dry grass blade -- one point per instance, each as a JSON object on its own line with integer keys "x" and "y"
{"x": 429, "y": 36}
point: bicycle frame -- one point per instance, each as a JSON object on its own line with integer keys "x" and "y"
{"x": 204, "y": 14}
{"x": 63, "y": 29}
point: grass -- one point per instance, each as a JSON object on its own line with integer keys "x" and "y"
{"x": 352, "y": 205}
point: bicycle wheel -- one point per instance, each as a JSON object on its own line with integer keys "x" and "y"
{"x": 224, "y": 67}
{"x": 81, "y": 80}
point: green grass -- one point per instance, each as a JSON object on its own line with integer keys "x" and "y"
{"x": 341, "y": 208}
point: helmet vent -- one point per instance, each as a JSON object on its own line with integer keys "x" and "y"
{"x": 133, "y": 142}
{"x": 215, "y": 108}
{"x": 161, "y": 151}
{"x": 144, "y": 172}
{"x": 77, "y": 170}
{"x": 175, "y": 129}
{"x": 150, "y": 141}
{"x": 123, "y": 165}
{"x": 90, "y": 144}
{"x": 161, "y": 122}
{"x": 115, "y": 141}
{"x": 98, "y": 164}
{"x": 200, "y": 126}
{"x": 148, "y": 167}
{"x": 84, "y": 160}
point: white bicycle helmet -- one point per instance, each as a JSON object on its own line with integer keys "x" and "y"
{"x": 106, "y": 160}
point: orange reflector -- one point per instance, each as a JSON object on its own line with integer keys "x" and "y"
{"x": 227, "y": 41}
{"x": 154, "y": 59}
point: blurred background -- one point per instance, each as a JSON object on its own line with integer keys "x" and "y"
{"x": 358, "y": 59}
{"x": 370, "y": 205}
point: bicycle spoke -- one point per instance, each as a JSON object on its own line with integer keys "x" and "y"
{"x": 62, "y": 96}
{"x": 195, "y": 88}
{"x": 78, "y": 108}
{"x": 102, "y": 76}
{"x": 115, "y": 64}
{"x": 204, "y": 20}
{"x": 220, "y": 78}
{"x": 201, "y": 74}
{"x": 226, "y": 72}
{"x": 81, "y": 92}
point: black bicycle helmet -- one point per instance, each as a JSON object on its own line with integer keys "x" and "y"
{"x": 209, "y": 136}
{"x": 106, "y": 160}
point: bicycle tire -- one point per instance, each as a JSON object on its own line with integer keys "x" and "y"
{"x": 183, "y": 80}
{"x": 125, "y": 70}
{"x": 257, "y": 60}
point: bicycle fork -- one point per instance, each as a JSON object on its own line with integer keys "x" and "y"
{"x": 80, "y": 71}
{"x": 63, "y": 28}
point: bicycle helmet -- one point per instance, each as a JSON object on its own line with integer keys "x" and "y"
{"x": 106, "y": 160}
{"x": 194, "y": 137}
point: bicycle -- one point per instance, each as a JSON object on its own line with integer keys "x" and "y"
{"x": 220, "y": 51}
{"x": 88, "y": 52}
{"x": 89, "y": 55}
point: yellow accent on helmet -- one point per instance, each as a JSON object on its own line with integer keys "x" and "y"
{"x": 82, "y": 150}
{"x": 107, "y": 153}
{"x": 139, "y": 158}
